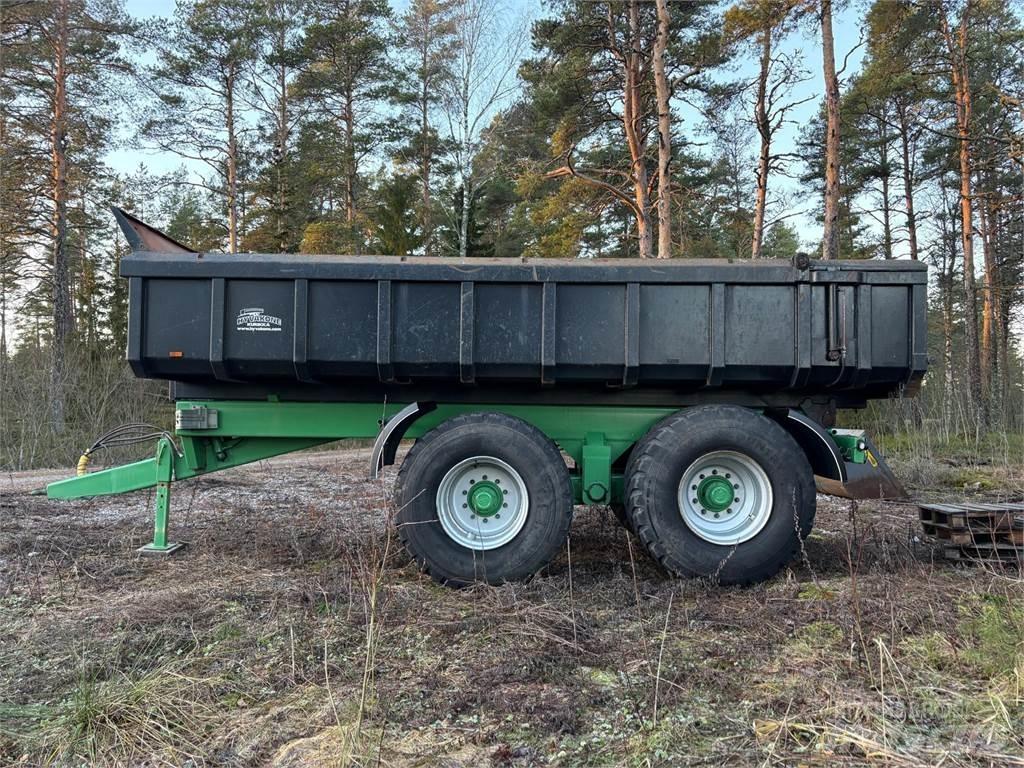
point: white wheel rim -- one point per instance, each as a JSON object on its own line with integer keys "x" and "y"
{"x": 482, "y": 503}
{"x": 710, "y": 515}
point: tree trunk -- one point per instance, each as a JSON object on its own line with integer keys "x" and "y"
{"x": 946, "y": 280}
{"x": 664, "y": 96}
{"x": 830, "y": 234}
{"x": 908, "y": 180}
{"x": 764, "y": 129}
{"x": 632, "y": 115}
{"x": 232, "y": 161}
{"x": 989, "y": 298}
{"x": 5, "y": 242}
{"x": 350, "y": 158}
{"x": 883, "y": 149}
{"x": 426, "y": 221}
{"x": 947, "y": 326}
{"x": 962, "y": 93}
{"x": 465, "y": 167}
{"x": 281, "y": 148}
{"x": 1003, "y": 308}
{"x": 62, "y": 317}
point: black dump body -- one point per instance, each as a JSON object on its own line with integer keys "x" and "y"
{"x": 623, "y": 331}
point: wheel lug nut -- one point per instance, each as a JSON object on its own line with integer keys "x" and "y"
{"x": 471, "y": 482}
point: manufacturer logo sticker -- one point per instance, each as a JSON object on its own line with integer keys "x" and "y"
{"x": 256, "y": 319}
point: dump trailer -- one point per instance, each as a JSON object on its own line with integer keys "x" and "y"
{"x": 695, "y": 397}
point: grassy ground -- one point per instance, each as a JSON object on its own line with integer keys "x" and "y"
{"x": 293, "y": 632}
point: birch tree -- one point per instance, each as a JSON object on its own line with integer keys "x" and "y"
{"x": 489, "y": 41}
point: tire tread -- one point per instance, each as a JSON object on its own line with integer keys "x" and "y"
{"x": 660, "y": 439}
{"x": 424, "y": 445}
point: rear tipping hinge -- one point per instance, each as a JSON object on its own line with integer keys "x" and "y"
{"x": 852, "y": 444}
{"x": 867, "y": 474}
{"x": 196, "y": 417}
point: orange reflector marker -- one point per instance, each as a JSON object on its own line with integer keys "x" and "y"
{"x": 176, "y": 354}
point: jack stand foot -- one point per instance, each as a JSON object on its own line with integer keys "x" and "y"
{"x": 169, "y": 549}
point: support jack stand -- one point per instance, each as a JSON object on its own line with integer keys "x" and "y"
{"x": 164, "y": 469}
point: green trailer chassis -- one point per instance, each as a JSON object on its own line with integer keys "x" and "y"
{"x": 241, "y": 432}
{"x": 221, "y": 434}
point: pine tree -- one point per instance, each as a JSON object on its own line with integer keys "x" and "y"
{"x": 278, "y": 212}
{"x": 764, "y": 23}
{"x": 830, "y": 215}
{"x": 199, "y": 79}
{"x": 60, "y": 60}
{"x": 602, "y": 59}
{"x": 395, "y": 219}
{"x": 427, "y": 34}
{"x": 344, "y": 84}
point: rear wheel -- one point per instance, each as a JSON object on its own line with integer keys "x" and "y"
{"x": 720, "y": 492}
{"x": 483, "y": 497}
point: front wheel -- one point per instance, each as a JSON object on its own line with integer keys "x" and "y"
{"x": 721, "y": 492}
{"x": 483, "y": 497}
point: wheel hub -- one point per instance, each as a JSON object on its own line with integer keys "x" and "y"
{"x": 725, "y": 497}
{"x": 485, "y": 499}
{"x": 715, "y": 493}
{"x": 482, "y": 503}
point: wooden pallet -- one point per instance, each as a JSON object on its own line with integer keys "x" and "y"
{"x": 975, "y": 531}
{"x": 1004, "y": 553}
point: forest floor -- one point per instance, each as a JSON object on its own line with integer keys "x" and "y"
{"x": 293, "y": 631}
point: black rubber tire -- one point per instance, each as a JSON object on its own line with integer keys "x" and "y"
{"x": 656, "y": 468}
{"x": 537, "y": 460}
